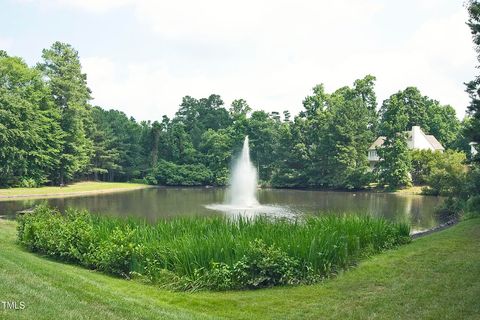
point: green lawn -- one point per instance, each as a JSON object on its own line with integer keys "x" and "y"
{"x": 435, "y": 277}
{"x": 73, "y": 189}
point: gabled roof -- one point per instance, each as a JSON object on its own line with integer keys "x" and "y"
{"x": 434, "y": 142}
{"x": 430, "y": 138}
{"x": 380, "y": 140}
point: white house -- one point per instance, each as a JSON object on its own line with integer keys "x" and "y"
{"x": 473, "y": 148}
{"x": 416, "y": 139}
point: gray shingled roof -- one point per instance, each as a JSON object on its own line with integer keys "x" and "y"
{"x": 434, "y": 142}
{"x": 380, "y": 140}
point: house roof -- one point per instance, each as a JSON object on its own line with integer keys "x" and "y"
{"x": 430, "y": 138}
{"x": 434, "y": 142}
{"x": 380, "y": 140}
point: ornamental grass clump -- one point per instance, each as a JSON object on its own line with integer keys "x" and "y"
{"x": 210, "y": 252}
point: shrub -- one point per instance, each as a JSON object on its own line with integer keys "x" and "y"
{"x": 169, "y": 173}
{"x": 473, "y": 205}
{"x": 265, "y": 266}
{"x": 140, "y": 181}
{"x": 450, "y": 208}
{"x": 422, "y": 163}
{"x": 30, "y": 183}
{"x": 448, "y": 174}
{"x": 115, "y": 254}
{"x": 47, "y": 231}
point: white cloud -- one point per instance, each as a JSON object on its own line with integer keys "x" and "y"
{"x": 273, "y": 52}
{"x": 143, "y": 90}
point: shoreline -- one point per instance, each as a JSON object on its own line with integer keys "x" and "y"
{"x": 440, "y": 227}
{"x": 65, "y": 193}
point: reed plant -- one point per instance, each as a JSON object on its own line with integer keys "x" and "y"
{"x": 211, "y": 252}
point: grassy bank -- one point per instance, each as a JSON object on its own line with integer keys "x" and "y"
{"x": 80, "y": 188}
{"x": 435, "y": 277}
{"x": 413, "y": 190}
{"x": 210, "y": 252}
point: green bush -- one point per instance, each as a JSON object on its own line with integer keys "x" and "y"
{"x": 139, "y": 181}
{"x": 171, "y": 174}
{"x": 115, "y": 254}
{"x": 265, "y": 266}
{"x": 450, "y": 208}
{"x": 69, "y": 237}
{"x": 422, "y": 163}
{"x": 210, "y": 252}
{"x": 473, "y": 205}
{"x": 29, "y": 183}
{"x": 448, "y": 174}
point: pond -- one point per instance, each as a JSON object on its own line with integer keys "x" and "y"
{"x": 156, "y": 203}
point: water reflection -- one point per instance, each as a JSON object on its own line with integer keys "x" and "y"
{"x": 156, "y": 203}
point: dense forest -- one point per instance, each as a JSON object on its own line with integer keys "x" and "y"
{"x": 50, "y": 133}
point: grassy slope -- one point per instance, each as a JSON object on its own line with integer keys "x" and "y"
{"x": 76, "y": 188}
{"x": 436, "y": 277}
{"x": 413, "y": 190}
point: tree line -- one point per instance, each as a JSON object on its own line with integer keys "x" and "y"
{"x": 50, "y": 133}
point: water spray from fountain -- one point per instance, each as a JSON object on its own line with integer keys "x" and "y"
{"x": 243, "y": 181}
{"x": 241, "y": 196}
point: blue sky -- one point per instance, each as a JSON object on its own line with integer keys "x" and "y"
{"x": 142, "y": 56}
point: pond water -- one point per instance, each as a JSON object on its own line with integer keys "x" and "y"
{"x": 156, "y": 203}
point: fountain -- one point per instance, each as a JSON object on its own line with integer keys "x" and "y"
{"x": 243, "y": 181}
{"x": 241, "y": 196}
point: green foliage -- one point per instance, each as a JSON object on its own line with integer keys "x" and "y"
{"x": 473, "y": 205}
{"x": 176, "y": 143}
{"x": 262, "y": 134}
{"x": 116, "y": 252}
{"x": 48, "y": 231}
{"x": 447, "y": 174}
{"x": 335, "y": 132}
{"x": 216, "y": 148}
{"x": 265, "y": 266}
{"x": 473, "y": 87}
{"x": 394, "y": 167}
{"x": 450, "y": 208}
{"x": 418, "y": 110}
{"x": 422, "y": 163}
{"x": 261, "y": 266}
{"x": 215, "y": 252}
{"x": 200, "y": 115}
{"x": 30, "y": 135}
{"x": 50, "y": 133}
{"x": 395, "y": 285}
{"x": 463, "y": 186}
{"x": 117, "y": 146}
{"x": 171, "y": 174}
{"x": 61, "y": 67}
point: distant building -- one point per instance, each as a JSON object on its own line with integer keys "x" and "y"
{"x": 473, "y": 148}
{"x": 416, "y": 140}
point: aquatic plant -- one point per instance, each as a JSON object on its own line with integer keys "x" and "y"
{"x": 210, "y": 252}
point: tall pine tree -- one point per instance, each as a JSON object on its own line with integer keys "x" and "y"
{"x": 62, "y": 69}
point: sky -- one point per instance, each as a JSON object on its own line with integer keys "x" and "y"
{"x": 143, "y": 56}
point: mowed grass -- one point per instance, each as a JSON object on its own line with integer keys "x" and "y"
{"x": 88, "y": 187}
{"x": 435, "y": 277}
